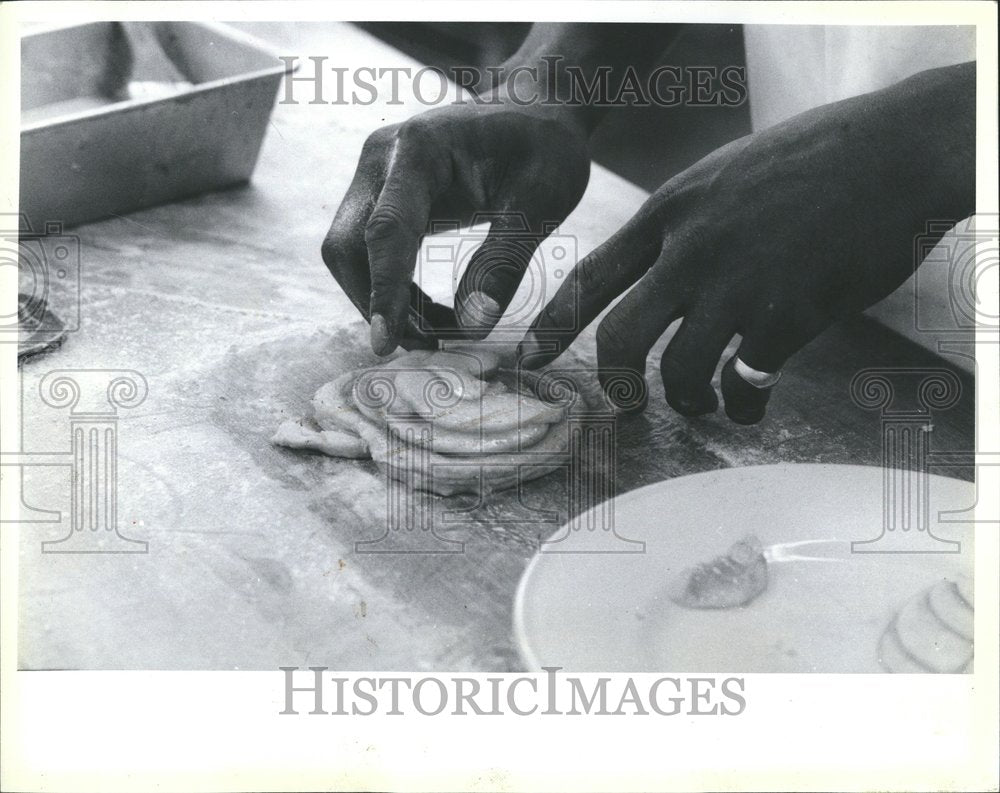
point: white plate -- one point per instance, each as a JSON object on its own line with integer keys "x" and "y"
{"x": 598, "y": 611}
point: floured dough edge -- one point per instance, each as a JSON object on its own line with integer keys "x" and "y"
{"x": 343, "y": 428}
{"x": 423, "y": 469}
{"x": 298, "y": 434}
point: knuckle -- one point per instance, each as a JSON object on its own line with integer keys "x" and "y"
{"x": 551, "y": 316}
{"x": 386, "y": 221}
{"x": 418, "y": 129}
{"x": 378, "y": 141}
{"x": 329, "y": 249}
{"x": 419, "y": 141}
{"x": 594, "y": 273}
{"x": 333, "y": 249}
{"x": 612, "y": 336}
{"x": 384, "y": 288}
{"x": 696, "y": 238}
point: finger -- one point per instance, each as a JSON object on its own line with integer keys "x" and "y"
{"x": 415, "y": 177}
{"x": 346, "y": 255}
{"x": 770, "y": 340}
{"x": 689, "y": 361}
{"x": 426, "y": 321}
{"x": 594, "y": 283}
{"x": 495, "y": 271}
{"x": 631, "y": 328}
{"x": 427, "y": 316}
{"x": 344, "y": 251}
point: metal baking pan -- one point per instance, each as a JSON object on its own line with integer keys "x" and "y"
{"x": 102, "y": 134}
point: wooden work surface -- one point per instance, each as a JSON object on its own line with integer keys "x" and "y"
{"x": 224, "y": 306}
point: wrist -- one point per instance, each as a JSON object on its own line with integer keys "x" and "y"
{"x": 565, "y": 70}
{"x": 542, "y": 88}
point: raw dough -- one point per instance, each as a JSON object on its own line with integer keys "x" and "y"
{"x": 490, "y": 409}
{"x": 298, "y": 435}
{"x": 725, "y": 582}
{"x": 437, "y": 421}
{"x": 932, "y": 632}
{"x": 951, "y": 609}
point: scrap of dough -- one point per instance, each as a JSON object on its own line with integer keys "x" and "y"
{"x": 966, "y": 590}
{"x": 930, "y": 633}
{"x": 294, "y": 435}
{"x": 928, "y": 640}
{"x": 894, "y": 658}
{"x": 951, "y": 608}
{"x": 726, "y": 581}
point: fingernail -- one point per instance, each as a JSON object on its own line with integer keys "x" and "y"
{"x": 479, "y": 310}
{"x": 382, "y": 342}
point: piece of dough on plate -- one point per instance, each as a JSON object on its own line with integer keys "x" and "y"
{"x": 951, "y": 608}
{"x": 929, "y": 640}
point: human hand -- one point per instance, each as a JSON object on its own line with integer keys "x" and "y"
{"x": 526, "y": 164}
{"x": 773, "y": 237}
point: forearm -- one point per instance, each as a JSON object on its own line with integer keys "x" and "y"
{"x": 559, "y": 64}
{"x": 934, "y": 115}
